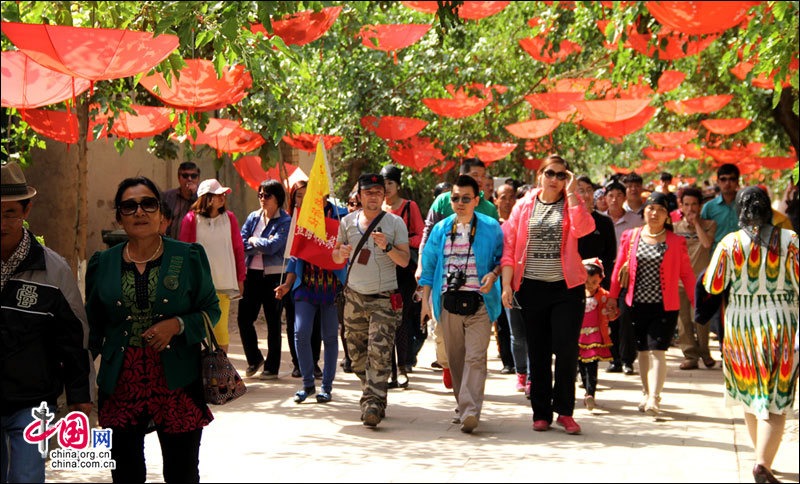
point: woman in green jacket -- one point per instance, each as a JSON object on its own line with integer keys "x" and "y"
{"x": 146, "y": 301}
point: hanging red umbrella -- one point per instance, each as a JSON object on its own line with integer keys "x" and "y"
{"x": 557, "y": 105}
{"x": 532, "y": 164}
{"x": 489, "y": 152}
{"x": 676, "y": 42}
{"x": 533, "y": 129}
{"x": 691, "y": 150}
{"x": 148, "y": 121}
{"x": 641, "y": 90}
{"x": 611, "y": 110}
{"x": 620, "y": 128}
{"x": 698, "y": 18}
{"x": 617, "y": 169}
{"x": 393, "y": 127}
{"x": 26, "y": 84}
{"x": 239, "y": 140}
{"x": 666, "y": 154}
{"x": 542, "y": 50}
{"x": 670, "y": 80}
{"x": 442, "y": 169}
{"x": 416, "y": 153}
{"x": 392, "y": 37}
{"x": 706, "y": 104}
{"x": 646, "y": 166}
{"x": 594, "y": 86}
{"x": 469, "y": 10}
{"x": 215, "y": 127}
{"x": 726, "y": 126}
{"x": 61, "y": 125}
{"x": 198, "y": 88}
{"x": 308, "y": 142}
{"x": 762, "y": 80}
{"x": 93, "y": 54}
{"x": 249, "y": 168}
{"x": 673, "y": 138}
{"x": 776, "y": 162}
{"x": 303, "y": 27}
{"x": 460, "y": 106}
{"x": 731, "y": 156}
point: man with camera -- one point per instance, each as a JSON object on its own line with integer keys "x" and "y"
{"x": 460, "y": 268}
{"x": 375, "y": 242}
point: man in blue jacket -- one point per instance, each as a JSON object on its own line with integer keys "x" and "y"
{"x": 460, "y": 268}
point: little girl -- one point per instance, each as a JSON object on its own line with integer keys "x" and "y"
{"x": 594, "y": 343}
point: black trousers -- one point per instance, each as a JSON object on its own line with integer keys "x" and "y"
{"x": 179, "y": 451}
{"x": 259, "y": 291}
{"x": 406, "y": 284}
{"x": 623, "y": 337}
{"x": 553, "y": 315}
{"x": 504, "y": 341}
{"x": 588, "y": 376}
{"x": 316, "y": 333}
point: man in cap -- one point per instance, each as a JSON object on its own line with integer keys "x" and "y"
{"x": 43, "y": 334}
{"x": 375, "y": 247}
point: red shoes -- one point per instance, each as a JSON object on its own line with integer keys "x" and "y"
{"x": 569, "y": 424}
{"x": 446, "y": 379}
{"x": 541, "y": 425}
{"x": 521, "y": 381}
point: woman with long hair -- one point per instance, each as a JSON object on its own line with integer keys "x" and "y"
{"x": 542, "y": 264}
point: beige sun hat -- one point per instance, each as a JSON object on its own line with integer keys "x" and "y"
{"x": 211, "y": 186}
{"x": 13, "y": 186}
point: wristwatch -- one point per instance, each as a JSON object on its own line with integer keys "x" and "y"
{"x": 389, "y": 247}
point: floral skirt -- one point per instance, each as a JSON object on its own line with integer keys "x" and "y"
{"x": 142, "y": 400}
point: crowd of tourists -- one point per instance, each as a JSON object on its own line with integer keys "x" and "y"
{"x": 584, "y": 272}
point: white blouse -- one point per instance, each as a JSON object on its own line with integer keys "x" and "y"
{"x": 214, "y": 234}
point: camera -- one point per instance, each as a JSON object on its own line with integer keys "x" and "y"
{"x": 456, "y": 279}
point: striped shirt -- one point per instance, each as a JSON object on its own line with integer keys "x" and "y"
{"x": 455, "y": 252}
{"x": 545, "y": 231}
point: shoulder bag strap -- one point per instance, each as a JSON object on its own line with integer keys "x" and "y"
{"x": 361, "y": 243}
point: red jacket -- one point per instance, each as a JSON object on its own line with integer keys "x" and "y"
{"x": 675, "y": 266}
{"x": 188, "y": 233}
{"x": 578, "y": 222}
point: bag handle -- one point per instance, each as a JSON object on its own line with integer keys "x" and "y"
{"x": 361, "y": 243}
{"x": 212, "y": 340}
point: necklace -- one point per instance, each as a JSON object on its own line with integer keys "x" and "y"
{"x": 128, "y": 253}
{"x": 655, "y": 235}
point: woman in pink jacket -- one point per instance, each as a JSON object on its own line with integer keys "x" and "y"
{"x": 656, "y": 260}
{"x": 542, "y": 264}
{"x": 219, "y": 235}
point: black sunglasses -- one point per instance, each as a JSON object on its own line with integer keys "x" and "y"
{"x": 465, "y": 199}
{"x": 265, "y": 195}
{"x": 189, "y": 176}
{"x": 561, "y": 175}
{"x": 130, "y": 206}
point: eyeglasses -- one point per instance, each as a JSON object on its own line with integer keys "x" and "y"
{"x": 353, "y": 203}
{"x": 130, "y": 206}
{"x": 561, "y": 175}
{"x": 725, "y": 179}
{"x": 265, "y": 195}
{"x": 189, "y": 176}
{"x": 465, "y": 199}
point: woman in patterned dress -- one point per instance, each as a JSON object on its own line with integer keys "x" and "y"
{"x": 759, "y": 264}
{"x": 656, "y": 260}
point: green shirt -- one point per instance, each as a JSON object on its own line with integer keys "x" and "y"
{"x": 724, "y": 214}
{"x": 441, "y": 209}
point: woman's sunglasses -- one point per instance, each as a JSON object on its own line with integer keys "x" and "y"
{"x": 130, "y": 206}
{"x": 265, "y": 196}
{"x": 561, "y": 175}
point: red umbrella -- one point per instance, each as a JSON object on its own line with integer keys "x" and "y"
{"x": 239, "y": 140}
{"x": 726, "y": 126}
{"x": 698, "y": 18}
{"x": 733, "y": 155}
{"x": 198, "y": 88}
{"x": 303, "y": 27}
{"x": 673, "y": 138}
{"x": 666, "y": 154}
{"x": 308, "y": 142}
{"x": 691, "y": 150}
{"x": 611, "y": 110}
{"x": 617, "y": 169}
{"x": 393, "y": 127}
{"x": 148, "y": 121}
{"x": 641, "y": 90}
{"x": 249, "y": 168}
{"x": 460, "y": 106}
{"x": 557, "y": 105}
{"x": 489, "y": 152}
{"x": 415, "y": 152}
{"x": 469, "y": 10}
{"x": 675, "y": 44}
{"x": 93, "y": 54}
{"x": 533, "y": 163}
{"x": 776, "y": 162}
{"x": 595, "y": 86}
{"x": 762, "y": 80}
{"x": 620, "y": 128}
{"x": 214, "y": 128}
{"x": 646, "y": 166}
{"x": 442, "y": 169}
{"x": 706, "y": 104}
{"x": 533, "y": 129}
{"x": 392, "y": 37}
{"x": 61, "y": 125}
{"x": 670, "y": 80}
{"x": 26, "y": 84}
{"x": 542, "y": 50}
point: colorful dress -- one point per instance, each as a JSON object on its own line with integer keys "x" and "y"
{"x": 594, "y": 343}
{"x": 760, "y": 345}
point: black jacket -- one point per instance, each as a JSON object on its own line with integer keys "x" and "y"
{"x": 43, "y": 335}
{"x": 601, "y": 243}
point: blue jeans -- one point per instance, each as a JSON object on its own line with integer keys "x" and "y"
{"x": 519, "y": 339}
{"x": 20, "y": 461}
{"x": 303, "y": 325}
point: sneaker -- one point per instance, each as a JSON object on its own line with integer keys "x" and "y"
{"x": 652, "y": 408}
{"x": 614, "y": 368}
{"x": 588, "y": 402}
{"x": 469, "y": 424}
{"x": 301, "y": 396}
{"x": 296, "y": 372}
{"x": 446, "y": 379}
{"x": 541, "y": 425}
{"x": 521, "y": 381}
{"x": 627, "y": 369}
{"x": 371, "y": 417}
{"x": 253, "y": 369}
{"x": 569, "y": 424}
{"x": 507, "y": 370}
{"x": 323, "y": 397}
{"x": 643, "y": 402}
{"x": 268, "y": 375}
{"x": 317, "y": 372}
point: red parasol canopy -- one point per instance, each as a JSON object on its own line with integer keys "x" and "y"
{"x": 617, "y": 169}
{"x": 542, "y": 50}
{"x": 26, "y": 84}
{"x": 691, "y": 150}
{"x": 308, "y": 142}
{"x": 776, "y": 162}
{"x": 726, "y": 126}
{"x": 533, "y": 129}
{"x": 460, "y": 106}
{"x": 706, "y": 104}
{"x": 734, "y": 155}
{"x": 148, "y": 121}
{"x": 392, "y": 37}
{"x": 239, "y": 140}
{"x": 303, "y": 27}
{"x": 675, "y": 44}
{"x": 670, "y": 80}
{"x": 442, "y": 169}
{"x": 762, "y": 80}
{"x": 620, "y": 128}
{"x": 249, "y": 168}
{"x": 698, "y": 18}
{"x": 393, "y": 127}
{"x": 557, "y": 105}
{"x": 61, "y": 125}
{"x": 198, "y": 88}
{"x": 489, "y": 152}
{"x": 674, "y": 138}
{"x": 646, "y": 166}
{"x": 666, "y": 154}
{"x": 416, "y": 153}
{"x": 611, "y": 110}
{"x": 595, "y": 86}
{"x": 469, "y": 10}
{"x": 533, "y": 163}
{"x": 93, "y": 54}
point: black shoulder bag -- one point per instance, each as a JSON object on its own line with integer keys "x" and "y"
{"x": 455, "y": 301}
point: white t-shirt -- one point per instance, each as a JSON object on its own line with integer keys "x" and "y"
{"x": 214, "y": 234}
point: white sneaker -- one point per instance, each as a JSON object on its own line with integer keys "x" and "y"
{"x": 588, "y": 402}
{"x": 652, "y": 407}
{"x": 643, "y": 403}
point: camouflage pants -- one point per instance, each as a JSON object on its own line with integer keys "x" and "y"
{"x": 370, "y": 325}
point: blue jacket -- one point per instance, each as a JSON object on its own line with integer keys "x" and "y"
{"x": 487, "y": 248}
{"x": 272, "y": 240}
{"x": 332, "y": 210}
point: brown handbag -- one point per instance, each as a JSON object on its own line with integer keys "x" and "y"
{"x": 624, "y": 272}
{"x": 221, "y": 381}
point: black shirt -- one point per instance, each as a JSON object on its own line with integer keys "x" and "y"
{"x": 601, "y": 243}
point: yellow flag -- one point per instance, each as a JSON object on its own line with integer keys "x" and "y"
{"x": 312, "y": 213}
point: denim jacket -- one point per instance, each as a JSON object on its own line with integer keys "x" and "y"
{"x": 271, "y": 242}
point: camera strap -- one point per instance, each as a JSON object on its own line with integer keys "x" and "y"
{"x": 473, "y": 227}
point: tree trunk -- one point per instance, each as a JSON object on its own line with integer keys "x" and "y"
{"x": 787, "y": 118}
{"x": 82, "y": 206}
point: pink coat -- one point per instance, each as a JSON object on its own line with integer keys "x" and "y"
{"x": 675, "y": 266}
{"x": 578, "y": 222}
{"x": 189, "y": 234}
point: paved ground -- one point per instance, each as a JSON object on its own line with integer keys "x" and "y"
{"x": 264, "y": 436}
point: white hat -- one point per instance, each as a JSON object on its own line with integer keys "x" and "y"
{"x": 211, "y": 186}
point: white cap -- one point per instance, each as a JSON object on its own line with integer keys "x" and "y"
{"x": 211, "y": 186}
